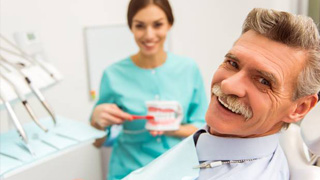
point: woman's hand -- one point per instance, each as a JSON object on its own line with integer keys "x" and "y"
{"x": 156, "y": 133}
{"x": 159, "y": 133}
{"x": 105, "y": 115}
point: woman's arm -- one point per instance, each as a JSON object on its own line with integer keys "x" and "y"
{"x": 185, "y": 130}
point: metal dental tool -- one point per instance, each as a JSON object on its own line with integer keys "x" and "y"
{"x": 17, "y": 123}
{"x": 22, "y": 98}
{"x": 26, "y": 56}
{"x": 35, "y": 90}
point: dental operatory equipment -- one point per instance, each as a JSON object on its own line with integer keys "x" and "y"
{"x": 17, "y": 67}
{"x": 20, "y": 94}
{"x": 14, "y": 118}
{"x": 17, "y": 123}
{"x": 27, "y": 57}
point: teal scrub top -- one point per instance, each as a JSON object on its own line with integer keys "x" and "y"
{"x": 129, "y": 87}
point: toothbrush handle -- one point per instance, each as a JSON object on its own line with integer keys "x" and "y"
{"x": 142, "y": 117}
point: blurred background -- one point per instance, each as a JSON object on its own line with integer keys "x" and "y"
{"x": 203, "y": 30}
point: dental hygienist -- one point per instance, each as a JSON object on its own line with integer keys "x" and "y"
{"x": 150, "y": 74}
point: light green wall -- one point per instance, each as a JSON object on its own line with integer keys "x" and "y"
{"x": 314, "y": 10}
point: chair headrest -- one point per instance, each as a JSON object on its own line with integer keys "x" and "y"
{"x": 310, "y": 133}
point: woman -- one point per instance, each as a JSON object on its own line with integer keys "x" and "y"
{"x": 151, "y": 74}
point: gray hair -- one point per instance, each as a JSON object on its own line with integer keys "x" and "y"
{"x": 296, "y": 31}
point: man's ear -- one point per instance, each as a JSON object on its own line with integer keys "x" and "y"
{"x": 301, "y": 108}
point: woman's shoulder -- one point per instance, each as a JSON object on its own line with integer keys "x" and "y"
{"x": 122, "y": 64}
{"x": 182, "y": 60}
{"x": 178, "y": 57}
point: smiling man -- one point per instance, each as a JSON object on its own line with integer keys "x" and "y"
{"x": 268, "y": 79}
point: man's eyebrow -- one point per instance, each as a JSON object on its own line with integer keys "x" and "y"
{"x": 271, "y": 77}
{"x": 232, "y": 56}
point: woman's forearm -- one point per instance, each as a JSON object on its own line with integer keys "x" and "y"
{"x": 184, "y": 131}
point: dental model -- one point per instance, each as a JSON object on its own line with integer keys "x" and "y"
{"x": 167, "y": 115}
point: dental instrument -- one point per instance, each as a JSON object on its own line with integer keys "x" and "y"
{"x": 17, "y": 124}
{"x": 34, "y": 89}
{"x": 22, "y": 98}
{"x": 29, "y": 58}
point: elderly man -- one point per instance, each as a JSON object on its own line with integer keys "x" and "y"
{"x": 269, "y": 79}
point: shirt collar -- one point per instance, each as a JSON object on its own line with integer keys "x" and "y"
{"x": 210, "y": 147}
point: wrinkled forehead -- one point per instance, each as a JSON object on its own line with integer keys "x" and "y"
{"x": 260, "y": 45}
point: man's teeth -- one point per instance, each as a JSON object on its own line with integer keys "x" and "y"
{"x": 237, "y": 111}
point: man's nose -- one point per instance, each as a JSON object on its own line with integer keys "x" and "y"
{"x": 235, "y": 84}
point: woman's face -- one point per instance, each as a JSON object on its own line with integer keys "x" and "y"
{"x": 150, "y": 27}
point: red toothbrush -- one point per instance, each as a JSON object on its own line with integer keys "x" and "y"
{"x": 147, "y": 117}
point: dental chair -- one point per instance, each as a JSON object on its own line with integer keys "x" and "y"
{"x": 301, "y": 144}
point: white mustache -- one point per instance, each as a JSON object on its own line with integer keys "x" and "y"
{"x": 232, "y": 102}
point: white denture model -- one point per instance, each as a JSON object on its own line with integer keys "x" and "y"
{"x": 167, "y": 115}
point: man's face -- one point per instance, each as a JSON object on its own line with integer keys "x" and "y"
{"x": 253, "y": 87}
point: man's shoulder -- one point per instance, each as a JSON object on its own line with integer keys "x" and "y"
{"x": 274, "y": 166}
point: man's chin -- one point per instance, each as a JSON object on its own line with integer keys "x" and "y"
{"x": 221, "y": 132}
{"x": 213, "y": 131}
{"x": 218, "y": 127}
{"x": 212, "y": 119}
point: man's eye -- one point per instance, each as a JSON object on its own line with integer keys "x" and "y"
{"x": 264, "y": 82}
{"x": 233, "y": 64}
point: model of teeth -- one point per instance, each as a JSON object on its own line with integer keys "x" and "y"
{"x": 161, "y": 116}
